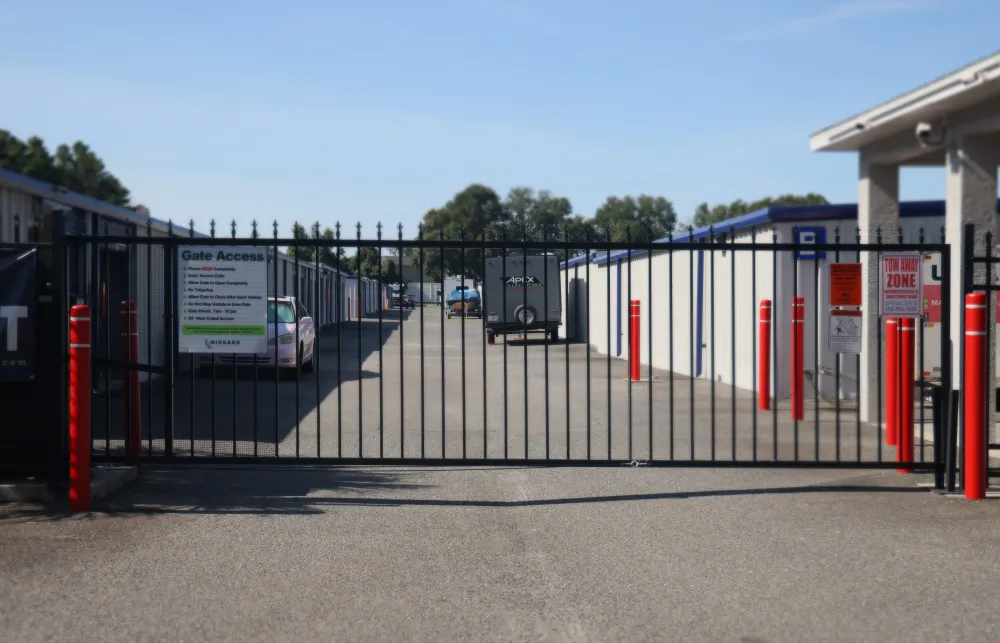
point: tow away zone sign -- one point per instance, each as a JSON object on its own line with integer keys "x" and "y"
{"x": 901, "y": 292}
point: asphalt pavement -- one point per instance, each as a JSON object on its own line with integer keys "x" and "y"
{"x": 459, "y": 554}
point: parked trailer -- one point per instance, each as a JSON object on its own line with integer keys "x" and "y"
{"x": 521, "y": 294}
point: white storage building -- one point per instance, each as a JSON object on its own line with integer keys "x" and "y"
{"x": 705, "y": 304}
{"x": 112, "y": 273}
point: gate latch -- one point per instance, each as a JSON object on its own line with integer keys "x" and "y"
{"x": 636, "y": 463}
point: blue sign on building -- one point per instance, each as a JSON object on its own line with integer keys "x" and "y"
{"x": 808, "y": 236}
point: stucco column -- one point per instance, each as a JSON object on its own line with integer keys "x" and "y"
{"x": 971, "y": 197}
{"x": 878, "y": 208}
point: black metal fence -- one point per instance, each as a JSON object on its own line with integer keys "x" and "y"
{"x": 419, "y": 386}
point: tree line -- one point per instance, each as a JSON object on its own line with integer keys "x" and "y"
{"x": 75, "y": 167}
{"x": 478, "y": 213}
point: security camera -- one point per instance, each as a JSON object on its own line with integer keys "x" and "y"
{"x": 929, "y": 135}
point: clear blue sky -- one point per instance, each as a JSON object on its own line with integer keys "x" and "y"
{"x": 378, "y": 110}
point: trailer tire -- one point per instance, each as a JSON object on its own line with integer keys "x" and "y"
{"x": 525, "y": 315}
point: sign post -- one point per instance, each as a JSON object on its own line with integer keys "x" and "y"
{"x": 223, "y": 299}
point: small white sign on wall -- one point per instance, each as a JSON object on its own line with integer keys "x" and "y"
{"x": 845, "y": 331}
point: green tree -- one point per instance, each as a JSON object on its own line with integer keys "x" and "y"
{"x": 365, "y": 262}
{"x": 390, "y": 275}
{"x": 705, "y": 215}
{"x": 75, "y": 167}
{"x": 641, "y": 218}
{"x": 329, "y": 255}
{"x": 469, "y": 215}
{"x": 302, "y": 252}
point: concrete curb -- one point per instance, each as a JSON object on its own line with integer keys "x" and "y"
{"x": 104, "y": 481}
{"x": 26, "y": 491}
{"x": 107, "y": 479}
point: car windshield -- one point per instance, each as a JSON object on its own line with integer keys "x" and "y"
{"x": 283, "y": 311}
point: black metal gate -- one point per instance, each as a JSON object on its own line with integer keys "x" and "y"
{"x": 412, "y": 385}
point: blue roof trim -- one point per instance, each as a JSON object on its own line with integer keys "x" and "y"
{"x": 54, "y": 192}
{"x": 774, "y": 214}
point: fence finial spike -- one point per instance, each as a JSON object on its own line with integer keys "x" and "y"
{"x": 378, "y": 229}
{"x": 232, "y": 226}
{"x": 253, "y": 229}
{"x": 275, "y": 226}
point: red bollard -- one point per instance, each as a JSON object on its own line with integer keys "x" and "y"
{"x": 764, "y": 368}
{"x": 79, "y": 408}
{"x": 974, "y": 466}
{"x": 798, "y": 357}
{"x": 633, "y": 337}
{"x": 129, "y": 318}
{"x": 891, "y": 381}
{"x": 904, "y": 432}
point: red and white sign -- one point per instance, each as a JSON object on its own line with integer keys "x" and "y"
{"x": 901, "y": 292}
{"x": 932, "y": 289}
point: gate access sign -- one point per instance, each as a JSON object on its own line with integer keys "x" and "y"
{"x": 17, "y": 315}
{"x": 901, "y": 292}
{"x": 222, "y": 299}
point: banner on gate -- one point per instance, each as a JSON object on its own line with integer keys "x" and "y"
{"x": 901, "y": 292}
{"x": 17, "y": 314}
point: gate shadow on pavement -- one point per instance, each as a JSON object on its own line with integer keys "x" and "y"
{"x": 281, "y": 490}
{"x": 196, "y": 401}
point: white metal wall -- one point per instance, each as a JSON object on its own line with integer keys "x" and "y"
{"x": 13, "y": 202}
{"x": 732, "y": 287}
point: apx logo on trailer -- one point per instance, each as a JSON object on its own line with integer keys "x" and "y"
{"x": 807, "y": 237}
{"x": 525, "y": 281}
